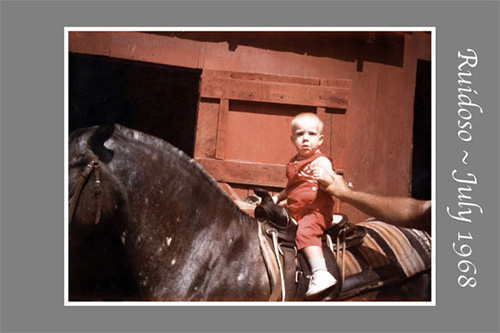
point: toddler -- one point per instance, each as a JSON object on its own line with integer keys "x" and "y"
{"x": 310, "y": 206}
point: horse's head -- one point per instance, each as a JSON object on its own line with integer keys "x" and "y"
{"x": 156, "y": 200}
{"x": 92, "y": 196}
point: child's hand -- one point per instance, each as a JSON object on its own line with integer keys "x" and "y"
{"x": 321, "y": 175}
{"x": 275, "y": 198}
{"x": 279, "y": 197}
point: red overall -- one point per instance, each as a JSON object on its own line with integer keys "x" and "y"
{"x": 310, "y": 206}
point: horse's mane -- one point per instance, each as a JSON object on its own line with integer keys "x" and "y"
{"x": 186, "y": 162}
{"x": 78, "y": 144}
{"x": 77, "y": 134}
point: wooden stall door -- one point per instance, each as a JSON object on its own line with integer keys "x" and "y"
{"x": 243, "y": 126}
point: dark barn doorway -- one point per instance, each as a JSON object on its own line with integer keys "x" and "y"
{"x": 422, "y": 133}
{"x": 156, "y": 99}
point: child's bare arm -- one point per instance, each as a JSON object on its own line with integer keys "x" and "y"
{"x": 277, "y": 198}
{"x": 321, "y": 169}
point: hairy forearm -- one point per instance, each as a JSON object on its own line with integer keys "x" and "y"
{"x": 379, "y": 207}
{"x": 400, "y": 211}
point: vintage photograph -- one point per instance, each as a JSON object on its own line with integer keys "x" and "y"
{"x": 250, "y": 166}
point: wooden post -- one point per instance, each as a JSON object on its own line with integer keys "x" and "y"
{"x": 221, "y": 129}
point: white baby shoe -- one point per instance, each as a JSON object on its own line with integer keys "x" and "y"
{"x": 320, "y": 281}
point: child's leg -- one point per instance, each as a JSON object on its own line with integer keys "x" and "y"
{"x": 314, "y": 255}
{"x": 309, "y": 231}
{"x": 308, "y": 239}
{"x": 321, "y": 279}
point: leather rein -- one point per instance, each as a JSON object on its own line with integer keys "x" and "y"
{"x": 75, "y": 193}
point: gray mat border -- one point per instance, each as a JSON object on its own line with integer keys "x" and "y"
{"x": 32, "y": 166}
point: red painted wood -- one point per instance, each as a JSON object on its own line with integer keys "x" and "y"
{"x": 321, "y": 113}
{"x": 270, "y": 78}
{"x": 252, "y": 173}
{"x": 93, "y": 42}
{"x": 370, "y": 135}
{"x": 260, "y": 132}
{"x": 206, "y": 129}
{"x": 230, "y": 191}
{"x": 222, "y": 129}
{"x": 274, "y": 92}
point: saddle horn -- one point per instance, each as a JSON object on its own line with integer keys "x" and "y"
{"x": 263, "y": 194}
{"x": 96, "y": 142}
{"x": 270, "y": 211}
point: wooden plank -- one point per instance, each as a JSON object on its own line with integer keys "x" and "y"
{"x": 221, "y": 129}
{"x": 230, "y": 191}
{"x": 340, "y": 83}
{"x": 261, "y": 77}
{"x": 140, "y": 46}
{"x": 90, "y": 42}
{"x": 321, "y": 113}
{"x": 206, "y": 129}
{"x": 249, "y": 173}
{"x": 338, "y": 138}
{"x": 240, "y": 190}
{"x": 245, "y": 172}
{"x": 156, "y": 49}
{"x": 274, "y": 92}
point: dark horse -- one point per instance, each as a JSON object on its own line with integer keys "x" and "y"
{"x": 182, "y": 238}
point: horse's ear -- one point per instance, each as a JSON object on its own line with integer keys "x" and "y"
{"x": 96, "y": 142}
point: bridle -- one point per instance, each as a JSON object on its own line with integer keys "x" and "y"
{"x": 75, "y": 193}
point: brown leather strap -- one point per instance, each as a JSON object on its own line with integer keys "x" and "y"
{"x": 77, "y": 190}
{"x": 271, "y": 264}
{"x": 97, "y": 190}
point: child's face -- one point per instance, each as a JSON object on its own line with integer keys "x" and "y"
{"x": 306, "y": 136}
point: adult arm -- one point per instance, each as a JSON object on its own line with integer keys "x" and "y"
{"x": 400, "y": 211}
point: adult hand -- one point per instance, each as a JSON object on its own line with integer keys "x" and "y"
{"x": 336, "y": 186}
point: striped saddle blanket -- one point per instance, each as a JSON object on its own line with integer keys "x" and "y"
{"x": 384, "y": 255}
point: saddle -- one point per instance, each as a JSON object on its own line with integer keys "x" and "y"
{"x": 288, "y": 269}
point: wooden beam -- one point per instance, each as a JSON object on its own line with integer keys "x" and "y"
{"x": 238, "y": 172}
{"x": 262, "y": 77}
{"x": 229, "y": 191}
{"x": 220, "y": 149}
{"x": 274, "y": 92}
{"x": 321, "y": 113}
{"x": 249, "y": 173}
{"x": 206, "y": 129}
{"x": 90, "y": 42}
{"x": 139, "y": 46}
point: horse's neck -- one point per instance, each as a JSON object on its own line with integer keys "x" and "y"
{"x": 183, "y": 232}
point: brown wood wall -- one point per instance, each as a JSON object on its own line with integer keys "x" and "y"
{"x": 362, "y": 84}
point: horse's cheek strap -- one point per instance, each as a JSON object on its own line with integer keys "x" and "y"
{"x": 98, "y": 191}
{"x": 79, "y": 186}
{"x": 93, "y": 166}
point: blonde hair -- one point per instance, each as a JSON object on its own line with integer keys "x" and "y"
{"x": 307, "y": 115}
